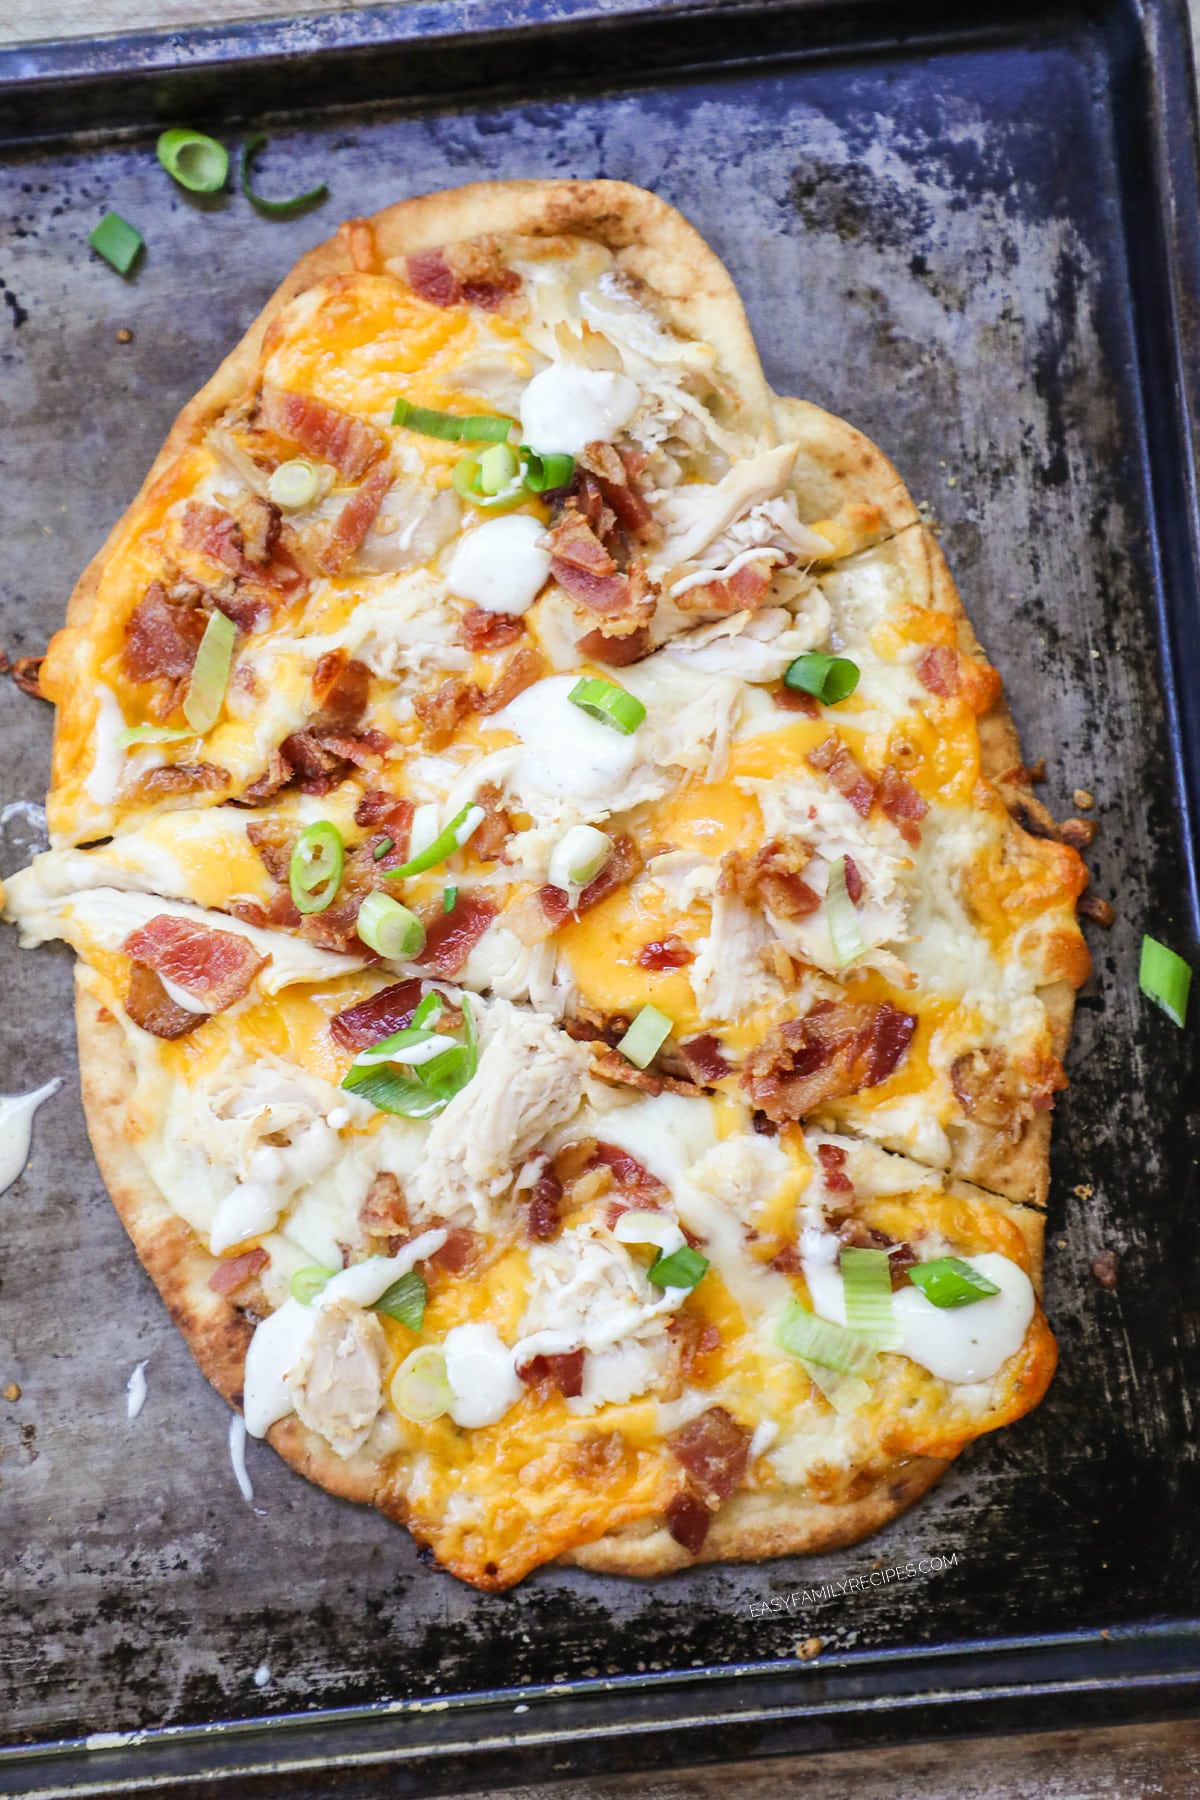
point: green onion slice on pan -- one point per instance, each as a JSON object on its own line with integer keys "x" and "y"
{"x": 196, "y": 162}
{"x": 117, "y": 241}
{"x": 274, "y": 209}
{"x": 1165, "y": 978}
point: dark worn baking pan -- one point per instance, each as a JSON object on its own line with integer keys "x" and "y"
{"x": 974, "y": 231}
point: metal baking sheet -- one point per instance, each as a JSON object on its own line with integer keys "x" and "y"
{"x": 974, "y": 233}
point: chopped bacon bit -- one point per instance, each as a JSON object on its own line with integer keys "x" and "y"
{"x": 363, "y": 748}
{"x": 695, "y": 1338}
{"x": 573, "y": 544}
{"x": 276, "y": 775}
{"x": 162, "y": 636}
{"x": 713, "y": 1448}
{"x": 555, "y": 903}
{"x": 215, "y": 533}
{"x": 181, "y": 778}
{"x": 744, "y": 591}
{"x": 855, "y": 1235}
{"x": 459, "y": 1252}
{"x": 149, "y": 1005}
{"x": 563, "y": 1370}
{"x": 235, "y": 1271}
{"x": 521, "y": 670}
{"x": 901, "y": 803}
{"x": 349, "y": 530}
{"x": 259, "y": 522}
{"x": 307, "y": 752}
{"x": 704, "y": 1058}
{"x": 795, "y": 700}
{"x": 940, "y": 671}
{"x": 1101, "y": 912}
{"x": 629, "y": 504}
{"x": 369, "y": 1021}
{"x": 489, "y": 838}
{"x": 442, "y": 712}
{"x": 621, "y": 867}
{"x": 483, "y": 630}
{"x": 842, "y": 768}
{"x": 273, "y": 839}
{"x": 329, "y": 434}
{"x": 544, "y": 1207}
{"x": 900, "y": 1260}
{"x": 431, "y": 277}
{"x": 788, "y": 1261}
{"x": 854, "y": 881}
{"x": 248, "y": 911}
{"x": 215, "y": 967}
{"x": 832, "y": 1159}
{"x": 628, "y": 597}
{"x": 838, "y": 1048}
{"x": 771, "y": 878}
{"x": 384, "y": 1211}
{"x": 470, "y": 272}
{"x": 615, "y": 652}
{"x": 1107, "y": 1269}
{"x": 340, "y": 688}
{"x": 451, "y": 937}
{"x": 688, "y": 1520}
{"x": 612, "y": 1066}
{"x": 665, "y": 953}
{"x": 629, "y": 1174}
{"x": 1002, "y": 1094}
{"x": 26, "y": 671}
{"x": 394, "y": 817}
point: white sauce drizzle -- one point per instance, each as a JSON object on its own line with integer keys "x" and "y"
{"x": 479, "y": 1368}
{"x": 135, "y": 1391}
{"x": 501, "y": 565}
{"x": 181, "y": 997}
{"x": 566, "y": 408}
{"x": 237, "y": 1456}
{"x": 564, "y": 751}
{"x": 107, "y": 759}
{"x": 958, "y": 1344}
{"x": 16, "y": 1129}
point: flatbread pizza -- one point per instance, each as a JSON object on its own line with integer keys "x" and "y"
{"x": 572, "y": 978}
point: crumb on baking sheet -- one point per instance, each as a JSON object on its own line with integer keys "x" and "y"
{"x": 1106, "y": 1269}
{"x": 809, "y": 1648}
{"x": 1083, "y": 799}
{"x": 124, "y": 335}
{"x": 12, "y": 1391}
{"x": 1084, "y": 1191}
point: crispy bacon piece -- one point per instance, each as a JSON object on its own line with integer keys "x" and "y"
{"x": 260, "y": 522}
{"x": 744, "y": 591}
{"x": 555, "y": 904}
{"x": 483, "y": 630}
{"x": 363, "y": 748}
{"x": 573, "y": 544}
{"x": 273, "y": 839}
{"x": 833, "y": 759}
{"x": 327, "y": 433}
{"x": 612, "y": 1066}
{"x": 940, "y": 671}
{"x": 665, "y": 953}
{"x": 393, "y": 818}
{"x": 832, "y": 1159}
{"x": 902, "y": 804}
{"x": 688, "y": 1520}
{"x": 369, "y": 1021}
{"x": 521, "y": 670}
{"x": 162, "y": 636}
{"x": 451, "y": 937}
{"x": 349, "y": 530}
{"x": 460, "y": 1251}
{"x": 442, "y": 712}
{"x": 788, "y": 1261}
{"x": 997, "y": 1092}
{"x": 621, "y": 867}
{"x": 564, "y": 1370}
{"x": 713, "y": 1448}
{"x": 694, "y": 1338}
{"x": 615, "y": 652}
{"x": 181, "y": 778}
{"x": 26, "y": 671}
{"x": 215, "y": 533}
{"x": 771, "y": 878}
{"x": 235, "y": 1271}
{"x": 150, "y": 1006}
{"x": 617, "y": 598}
{"x": 854, "y": 881}
{"x": 489, "y": 839}
{"x": 544, "y": 1207}
{"x": 215, "y": 967}
{"x": 384, "y": 1211}
{"x": 837, "y": 1049}
{"x": 704, "y": 1058}
{"x": 340, "y": 688}
{"x": 308, "y": 753}
{"x": 1101, "y": 912}
{"x": 1078, "y": 833}
{"x": 470, "y": 273}
{"x": 793, "y": 700}
{"x": 276, "y": 775}
{"x": 632, "y": 1177}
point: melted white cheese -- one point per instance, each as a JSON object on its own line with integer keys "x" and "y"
{"x": 501, "y": 565}
{"x": 566, "y": 408}
{"x": 16, "y": 1129}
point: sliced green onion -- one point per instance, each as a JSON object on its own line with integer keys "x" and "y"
{"x": 293, "y": 484}
{"x": 404, "y": 1300}
{"x": 845, "y": 1393}
{"x": 381, "y": 850}
{"x": 646, "y": 1036}
{"x": 210, "y": 674}
{"x": 315, "y": 871}
{"x": 116, "y": 240}
{"x": 391, "y": 929}
{"x": 196, "y": 162}
{"x": 274, "y": 209}
{"x": 949, "y": 1281}
{"x": 452, "y": 428}
{"x": 428, "y": 1012}
{"x": 467, "y": 477}
{"x": 822, "y": 1341}
{"x": 456, "y": 834}
{"x": 1165, "y": 978}
{"x": 578, "y": 857}
{"x": 844, "y": 933}
{"x": 543, "y": 474}
{"x": 392, "y": 1092}
{"x": 611, "y": 704}
{"x": 429, "y": 1087}
{"x": 682, "y": 1269}
{"x": 151, "y": 734}
{"x": 497, "y": 468}
{"x": 412, "y": 1046}
{"x": 421, "y": 1390}
{"x": 449, "y": 899}
{"x": 307, "y": 1283}
{"x": 829, "y": 678}
{"x": 867, "y": 1285}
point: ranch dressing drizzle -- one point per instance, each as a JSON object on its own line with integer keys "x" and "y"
{"x": 16, "y": 1128}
